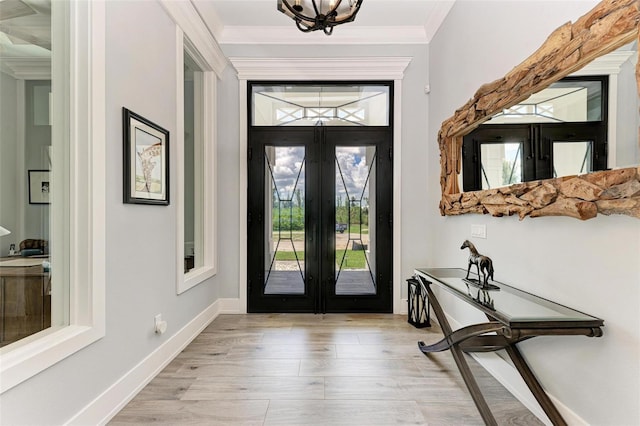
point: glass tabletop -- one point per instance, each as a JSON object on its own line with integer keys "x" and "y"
{"x": 508, "y": 304}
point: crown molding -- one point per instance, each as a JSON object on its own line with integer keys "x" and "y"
{"x": 366, "y": 68}
{"x": 188, "y": 18}
{"x": 27, "y": 68}
{"x": 290, "y": 35}
{"x": 345, "y": 34}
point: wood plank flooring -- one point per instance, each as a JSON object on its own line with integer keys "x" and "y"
{"x": 304, "y": 369}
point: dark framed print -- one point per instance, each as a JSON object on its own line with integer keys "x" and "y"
{"x": 39, "y": 186}
{"x": 146, "y": 160}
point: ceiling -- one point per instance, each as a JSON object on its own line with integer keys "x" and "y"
{"x": 378, "y": 22}
{"x": 25, "y": 27}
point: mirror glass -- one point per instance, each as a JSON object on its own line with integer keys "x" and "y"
{"x": 580, "y": 124}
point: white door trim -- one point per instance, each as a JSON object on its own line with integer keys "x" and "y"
{"x": 309, "y": 69}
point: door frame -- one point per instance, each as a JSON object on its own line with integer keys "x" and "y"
{"x": 325, "y": 69}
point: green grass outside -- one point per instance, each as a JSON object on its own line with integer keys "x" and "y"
{"x": 353, "y": 259}
{"x": 289, "y": 255}
{"x": 295, "y": 235}
{"x": 355, "y": 229}
{"x": 299, "y": 235}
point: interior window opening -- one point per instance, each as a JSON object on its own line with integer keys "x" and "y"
{"x": 34, "y": 287}
{"x": 192, "y": 141}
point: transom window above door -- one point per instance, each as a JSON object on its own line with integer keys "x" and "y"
{"x": 326, "y": 104}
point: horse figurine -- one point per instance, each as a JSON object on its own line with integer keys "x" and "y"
{"x": 483, "y": 263}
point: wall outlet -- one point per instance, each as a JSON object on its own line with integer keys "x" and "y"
{"x": 160, "y": 326}
{"x": 479, "y": 231}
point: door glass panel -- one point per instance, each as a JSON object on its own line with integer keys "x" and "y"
{"x": 355, "y": 233}
{"x": 330, "y": 105}
{"x": 501, "y": 164}
{"x": 284, "y": 220}
{"x": 572, "y": 158}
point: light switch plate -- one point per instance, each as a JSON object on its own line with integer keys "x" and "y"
{"x": 479, "y": 231}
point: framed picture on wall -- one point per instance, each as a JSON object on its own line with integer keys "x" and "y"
{"x": 146, "y": 160}
{"x": 39, "y": 186}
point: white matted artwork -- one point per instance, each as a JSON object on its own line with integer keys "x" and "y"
{"x": 39, "y": 186}
{"x": 146, "y": 161}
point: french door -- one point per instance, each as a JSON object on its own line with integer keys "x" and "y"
{"x": 320, "y": 219}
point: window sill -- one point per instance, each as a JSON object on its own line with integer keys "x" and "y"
{"x": 195, "y": 277}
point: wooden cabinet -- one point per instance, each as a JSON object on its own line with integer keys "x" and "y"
{"x": 25, "y": 302}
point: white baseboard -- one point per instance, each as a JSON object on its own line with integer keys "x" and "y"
{"x": 404, "y": 307}
{"x": 508, "y": 376}
{"x": 230, "y": 306}
{"x": 111, "y": 401}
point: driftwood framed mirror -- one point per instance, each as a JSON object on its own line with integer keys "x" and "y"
{"x": 607, "y": 27}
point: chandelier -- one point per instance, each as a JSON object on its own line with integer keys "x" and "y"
{"x": 313, "y": 15}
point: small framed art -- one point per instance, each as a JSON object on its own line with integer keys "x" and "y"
{"x": 146, "y": 160}
{"x": 39, "y": 186}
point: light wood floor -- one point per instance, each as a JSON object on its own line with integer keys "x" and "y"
{"x": 297, "y": 369}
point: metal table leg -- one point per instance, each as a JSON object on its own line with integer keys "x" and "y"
{"x": 461, "y": 362}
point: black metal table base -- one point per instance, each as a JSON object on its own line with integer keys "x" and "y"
{"x": 473, "y": 339}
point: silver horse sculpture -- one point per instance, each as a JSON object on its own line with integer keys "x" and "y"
{"x": 483, "y": 263}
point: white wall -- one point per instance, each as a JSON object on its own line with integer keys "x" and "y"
{"x": 591, "y": 266}
{"x": 141, "y": 240}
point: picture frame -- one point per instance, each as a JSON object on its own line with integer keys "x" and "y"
{"x": 146, "y": 160}
{"x": 39, "y": 186}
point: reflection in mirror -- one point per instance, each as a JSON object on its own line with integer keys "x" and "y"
{"x": 569, "y": 118}
{"x": 624, "y": 146}
{"x": 555, "y": 161}
{"x": 568, "y": 100}
{"x": 501, "y": 164}
{"x": 609, "y": 99}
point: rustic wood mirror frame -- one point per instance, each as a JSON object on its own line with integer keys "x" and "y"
{"x": 608, "y": 26}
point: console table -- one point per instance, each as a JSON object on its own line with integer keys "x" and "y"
{"x": 513, "y": 316}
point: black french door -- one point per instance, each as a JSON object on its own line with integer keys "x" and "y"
{"x": 320, "y": 219}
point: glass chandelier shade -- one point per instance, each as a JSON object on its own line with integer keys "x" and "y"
{"x": 313, "y": 15}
